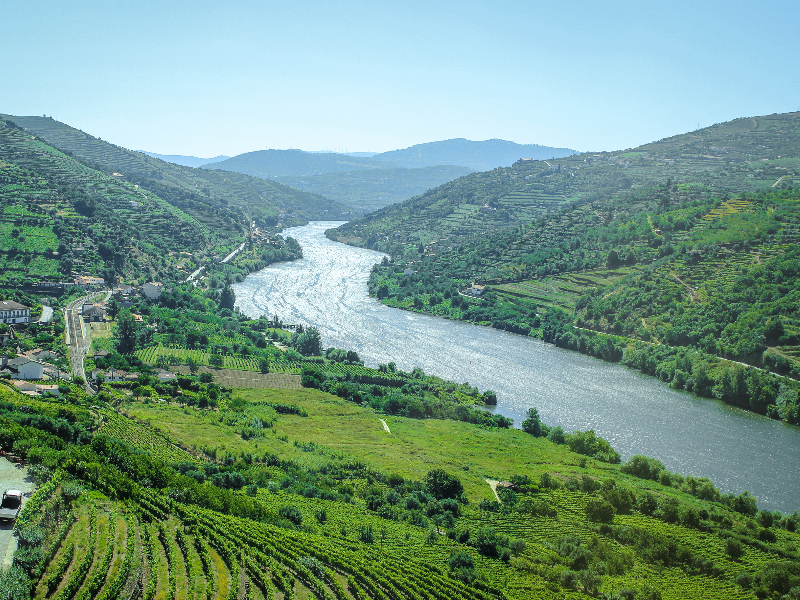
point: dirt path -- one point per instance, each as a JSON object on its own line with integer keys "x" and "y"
{"x": 385, "y": 426}
{"x": 493, "y": 484}
{"x": 12, "y": 477}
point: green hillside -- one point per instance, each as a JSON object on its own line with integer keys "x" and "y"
{"x": 60, "y": 217}
{"x": 156, "y": 500}
{"x": 675, "y": 260}
{"x": 367, "y": 190}
{"x": 215, "y": 198}
{"x": 735, "y": 157}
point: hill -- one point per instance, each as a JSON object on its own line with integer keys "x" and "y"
{"x": 740, "y": 156}
{"x": 366, "y": 190}
{"x": 186, "y": 161}
{"x": 60, "y": 218}
{"x": 478, "y": 156}
{"x": 206, "y": 195}
{"x": 276, "y": 163}
{"x": 305, "y": 493}
{"x": 676, "y": 260}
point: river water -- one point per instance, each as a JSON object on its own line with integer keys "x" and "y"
{"x": 637, "y": 414}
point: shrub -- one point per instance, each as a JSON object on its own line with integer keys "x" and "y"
{"x": 291, "y": 513}
{"x": 599, "y": 510}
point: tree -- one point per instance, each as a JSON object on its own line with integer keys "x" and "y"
{"x": 227, "y": 298}
{"x": 126, "y": 332}
{"x": 216, "y": 360}
{"x": 114, "y": 308}
{"x": 600, "y": 511}
{"x": 532, "y": 424}
{"x": 263, "y": 365}
{"x": 441, "y": 484}
{"x": 192, "y": 364}
{"x": 307, "y": 342}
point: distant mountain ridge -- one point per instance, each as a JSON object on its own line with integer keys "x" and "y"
{"x": 186, "y": 161}
{"x": 478, "y": 156}
{"x": 277, "y": 163}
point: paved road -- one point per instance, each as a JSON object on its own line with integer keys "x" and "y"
{"x": 12, "y": 477}
{"x": 78, "y": 335}
{"x": 234, "y": 253}
{"x": 47, "y": 314}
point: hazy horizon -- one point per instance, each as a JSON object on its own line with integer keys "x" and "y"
{"x": 207, "y": 79}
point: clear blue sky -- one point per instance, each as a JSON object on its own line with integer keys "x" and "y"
{"x": 207, "y": 78}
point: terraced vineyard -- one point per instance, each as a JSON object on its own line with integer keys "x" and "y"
{"x": 151, "y": 354}
{"x": 141, "y": 437}
{"x": 52, "y": 202}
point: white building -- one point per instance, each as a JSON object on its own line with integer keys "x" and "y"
{"x": 14, "y": 312}
{"x": 25, "y": 368}
{"x": 153, "y": 290}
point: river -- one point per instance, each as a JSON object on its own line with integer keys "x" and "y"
{"x": 637, "y": 414}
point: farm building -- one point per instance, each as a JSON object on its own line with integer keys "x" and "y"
{"x": 14, "y": 312}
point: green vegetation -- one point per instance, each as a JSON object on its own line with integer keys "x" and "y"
{"x": 59, "y": 217}
{"x": 598, "y": 253}
{"x": 367, "y": 190}
{"x": 225, "y": 202}
{"x": 324, "y": 503}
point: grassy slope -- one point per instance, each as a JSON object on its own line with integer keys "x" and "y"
{"x": 415, "y": 447}
{"x": 342, "y": 432}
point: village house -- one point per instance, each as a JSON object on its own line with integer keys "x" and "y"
{"x": 25, "y": 368}
{"x": 85, "y": 282}
{"x": 113, "y": 375}
{"x": 153, "y": 290}
{"x": 123, "y": 290}
{"x": 476, "y": 291}
{"x": 36, "y": 389}
{"x": 93, "y": 312}
{"x": 165, "y": 376}
{"x": 14, "y": 312}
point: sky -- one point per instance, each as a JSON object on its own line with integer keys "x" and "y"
{"x": 207, "y": 78}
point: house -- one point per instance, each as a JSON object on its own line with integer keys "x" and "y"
{"x": 123, "y": 290}
{"x": 5, "y": 338}
{"x": 93, "y": 312}
{"x": 85, "y": 282}
{"x": 49, "y": 389}
{"x": 14, "y": 312}
{"x": 153, "y": 290}
{"x": 113, "y": 375}
{"x": 39, "y": 354}
{"x": 24, "y": 386}
{"x": 476, "y": 290}
{"x": 165, "y": 376}
{"x": 25, "y": 368}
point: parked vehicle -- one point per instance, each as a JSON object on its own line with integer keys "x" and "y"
{"x": 11, "y": 505}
